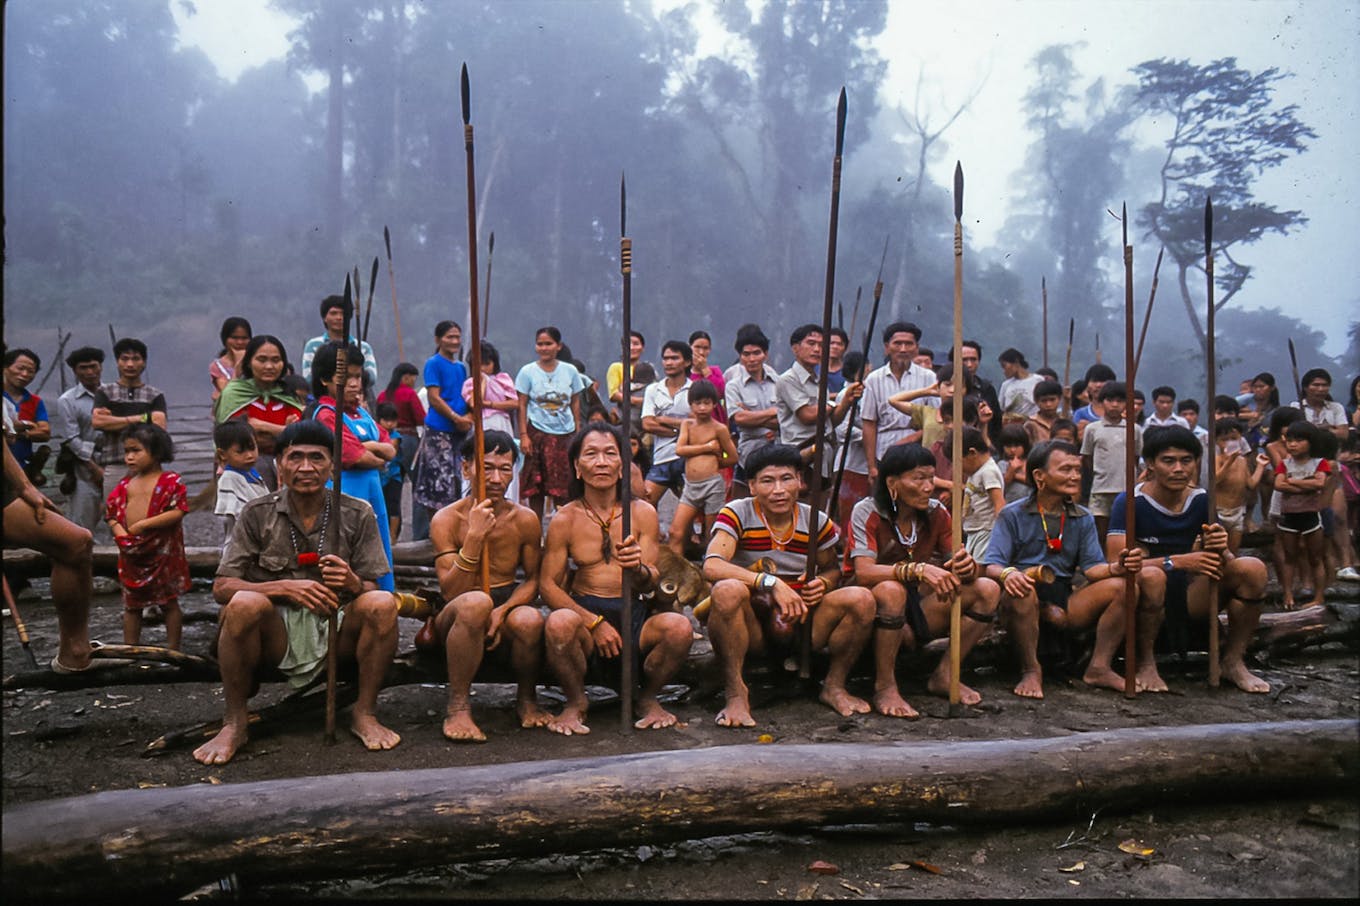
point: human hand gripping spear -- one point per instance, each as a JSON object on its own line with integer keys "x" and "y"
{"x": 332, "y": 536}
{"x": 1211, "y": 457}
{"x": 627, "y": 680}
{"x": 1130, "y": 472}
{"x": 392, "y": 278}
{"x": 474, "y": 325}
{"x": 956, "y": 449}
{"x": 819, "y": 438}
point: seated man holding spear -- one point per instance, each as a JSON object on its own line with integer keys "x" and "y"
{"x": 505, "y": 536}
{"x": 1049, "y": 529}
{"x": 756, "y": 559}
{"x": 277, "y": 584}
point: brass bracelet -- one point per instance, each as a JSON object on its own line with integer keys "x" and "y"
{"x": 476, "y": 559}
{"x": 598, "y": 620}
{"x": 463, "y": 563}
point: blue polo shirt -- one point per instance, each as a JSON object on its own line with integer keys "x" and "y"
{"x": 449, "y": 377}
{"x": 1160, "y": 531}
{"x": 1019, "y": 538}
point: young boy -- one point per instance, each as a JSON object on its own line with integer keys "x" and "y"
{"x": 239, "y": 482}
{"x": 983, "y": 492}
{"x": 1064, "y": 429}
{"x": 1103, "y": 451}
{"x": 706, "y": 447}
{"x": 1047, "y": 396}
{"x": 386, "y": 415}
{"x": 1299, "y": 480}
{"x": 932, "y": 421}
{"x": 1233, "y": 478}
{"x": 1097, "y": 376}
{"x": 1163, "y": 401}
{"x": 1188, "y": 410}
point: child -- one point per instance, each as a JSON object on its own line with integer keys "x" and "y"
{"x": 642, "y": 461}
{"x": 1233, "y": 479}
{"x": 1163, "y": 402}
{"x": 239, "y": 482}
{"x": 706, "y": 446}
{"x": 1064, "y": 429}
{"x": 1015, "y": 446}
{"x": 1299, "y": 481}
{"x": 931, "y": 421}
{"x": 392, "y": 474}
{"x": 1188, "y": 410}
{"x": 1097, "y": 376}
{"x": 144, "y": 513}
{"x": 1139, "y": 405}
{"x": 1103, "y": 453}
{"x": 983, "y": 494}
{"x": 943, "y": 449}
{"x": 1039, "y": 426}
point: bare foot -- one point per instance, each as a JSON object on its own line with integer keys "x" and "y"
{"x": 1317, "y": 602}
{"x": 653, "y": 716}
{"x": 1147, "y": 679}
{"x": 1031, "y": 684}
{"x": 374, "y": 736}
{"x": 1237, "y": 673}
{"x": 1103, "y": 677}
{"x": 531, "y": 715}
{"x": 571, "y": 722}
{"x": 842, "y": 702}
{"x": 222, "y": 747}
{"x": 890, "y": 703}
{"x": 1288, "y": 604}
{"x": 737, "y": 713}
{"x": 967, "y": 696}
{"x": 460, "y": 727}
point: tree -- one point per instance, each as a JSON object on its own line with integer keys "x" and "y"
{"x": 1225, "y": 130}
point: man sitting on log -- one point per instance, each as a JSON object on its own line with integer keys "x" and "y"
{"x": 756, "y": 560}
{"x": 587, "y": 611}
{"x": 505, "y": 619}
{"x": 1049, "y": 528}
{"x": 275, "y": 607}
{"x": 1173, "y": 534}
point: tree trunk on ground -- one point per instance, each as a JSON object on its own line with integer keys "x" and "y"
{"x": 170, "y": 841}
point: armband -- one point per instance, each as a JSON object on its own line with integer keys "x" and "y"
{"x": 594, "y": 623}
{"x": 1007, "y": 571}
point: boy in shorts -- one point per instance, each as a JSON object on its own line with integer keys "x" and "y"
{"x": 706, "y": 447}
{"x": 1102, "y": 451}
{"x": 1233, "y": 478}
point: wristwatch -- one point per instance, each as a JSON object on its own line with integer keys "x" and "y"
{"x": 766, "y": 582}
{"x": 1167, "y": 565}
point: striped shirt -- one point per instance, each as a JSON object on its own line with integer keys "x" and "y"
{"x": 754, "y": 542}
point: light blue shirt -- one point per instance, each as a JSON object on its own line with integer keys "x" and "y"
{"x": 549, "y": 396}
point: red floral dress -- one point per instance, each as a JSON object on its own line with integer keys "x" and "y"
{"x": 152, "y": 567}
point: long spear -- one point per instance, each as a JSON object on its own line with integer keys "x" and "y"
{"x": 392, "y": 278}
{"x": 372, "y": 285}
{"x": 56, "y": 363}
{"x": 1147, "y": 314}
{"x": 1043, "y": 289}
{"x": 854, "y": 312}
{"x": 358, "y": 303}
{"x": 332, "y": 539}
{"x": 486, "y": 299}
{"x": 815, "y": 493}
{"x": 1211, "y": 453}
{"x": 1098, "y": 360}
{"x": 956, "y": 447}
{"x": 1067, "y": 369}
{"x": 19, "y": 624}
{"x": 474, "y": 327}
{"x": 626, "y": 423}
{"x": 1130, "y": 471}
{"x": 1294, "y": 366}
{"x": 834, "y": 507}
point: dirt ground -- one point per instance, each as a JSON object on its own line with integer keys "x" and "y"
{"x": 60, "y": 744}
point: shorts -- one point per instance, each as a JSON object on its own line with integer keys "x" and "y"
{"x": 612, "y": 611}
{"x": 1300, "y": 523}
{"x": 392, "y": 497}
{"x": 977, "y": 542}
{"x": 1056, "y": 592}
{"x": 670, "y": 475}
{"x": 707, "y": 495}
{"x": 1102, "y": 502}
{"x": 1232, "y": 518}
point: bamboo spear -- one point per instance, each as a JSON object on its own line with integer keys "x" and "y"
{"x": 956, "y": 447}
{"x": 1211, "y": 453}
{"x": 1147, "y": 314}
{"x": 486, "y": 299}
{"x": 474, "y": 327}
{"x": 1067, "y": 369}
{"x": 1130, "y": 471}
{"x": 626, "y": 455}
{"x": 1294, "y": 366}
{"x": 1043, "y": 289}
{"x": 819, "y": 438}
{"x": 392, "y": 278}
{"x": 368, "y": 312}
{"x": 19, "y": 624}
{"x": 834, "y": 504}
{"x": 332, "y": 537}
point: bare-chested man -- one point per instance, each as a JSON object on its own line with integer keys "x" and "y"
{"x": 1048, "y": 528}
{"x": 506, "y": 535}
{"x": 588, "y": 611}
{"x": 278, "y": 583}
{"x": 754, "y": 608}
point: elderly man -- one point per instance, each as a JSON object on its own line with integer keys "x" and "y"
{"x": 278, "y": 582}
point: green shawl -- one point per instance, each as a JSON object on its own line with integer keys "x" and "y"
{"x": 241, "y": 392}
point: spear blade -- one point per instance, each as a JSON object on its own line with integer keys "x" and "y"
{"x": 387, "y": 241}
{"x": 958, "y": 191}
{"x": 1043, "y": 289}
{"x": 1294, "y": 365}
{"x": 466, "y": 94}
{"x": 368, "y": 309}
{"x": 623, "y": 204}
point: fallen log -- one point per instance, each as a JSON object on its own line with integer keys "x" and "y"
{"x": 168, "y": 841}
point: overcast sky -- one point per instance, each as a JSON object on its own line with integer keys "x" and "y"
{"x": 1315, "y": 272}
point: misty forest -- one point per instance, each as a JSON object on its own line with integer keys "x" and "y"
{"x": 144, "y": 190}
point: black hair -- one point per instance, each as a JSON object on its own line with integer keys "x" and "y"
{"x": 553, "y": 333}
{"x": 444, "y": 327}
{"x": 576, "y": 486}
{"x": 261, "y": 339}
{"x": 1078, "y": 388}
{"x": 1048, "y": 373}
{"x": 643, "y": 457}
{"x": 1265, "y": 377}
{"x": 308, "y": 432}
{"x": 973, "y": 440}
{"x": 493, "y": 441}
{"x": 1189, "y": 403}
{"x": 1013, "y": 356}
{"x": 1226, "y": 404}
{"x": 1170, "y": 437}
{"x": 1159, "y": 392}
{"x": 491, "y": 354}
{"x": 1226, "y": 425}
{"x": 700, "y": 335}
{"x": 840, "y": 332}
{"x": 970, "y": 408}
{"x": 229, "y": 327}
{"x": 753, "y": 337}
{"x": 1313, "y": 374}
{"x": 394, "y": 381}
{"x": 898, "y": 459}
{"x": 703, "y": 389}
{"x": 1280, "y": 419}
{"x": 926, "y": 351}
{"x": 1062, "y": 424}
{"x": 84, "y": 354}
{"x": 632, "y": 334}
{"x": 901, "y": 327}
{"x": 1039, "y": 457}
{"x": 1013, "y": 435}
{"x": 129, "y": 344}
{"x": 595, "y": 410}
{"x": 233, "y": 434}
{"x": 802, "y": 332}
{"x": 1099, "y": 372}
{"x": 945, "y": 372}
{"x": 297, "y": 385}
{"x": 336, "y": 302}
{"x": 644, "y": 372}
{"x": 971, "y": 344}
{"x": 852, "y": 365}
{"x": 1113, "y": 390}
{"x": 1302, "y": 429}
{"x": 679, "y": 346}
{"x": 385, "y": 411}
{"x": 12, "y": 356}
{"x": 323, "y": 366}
{"x": 153, "y": 438}
{"x": 1046, "y": 388}
{"x": 782, "y": 455}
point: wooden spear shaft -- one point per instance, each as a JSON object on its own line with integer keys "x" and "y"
{"x": 1211, "y": 453}
{"x": 1043, "y": 289}
{"x": 1067, "y": 370}
{"x": 486, "y": 297}
{"x": 819, "y": 438}
{"x": 853, "y": 416}
{"x": 332, "y": 536}
{"x": 1130, "y": 473}
{"x": 19, "y": 624}
{"x": 627, "y": 680}
{"x": 956, "y": 448}
{"x": 474, "y": 325}
{"x": 392, "y": 279}
{"x": 1147, "y": 313}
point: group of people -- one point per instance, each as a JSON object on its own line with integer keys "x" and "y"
{"x": 1043, "y": 519}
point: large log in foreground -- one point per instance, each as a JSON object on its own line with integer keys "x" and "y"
{"x": 173, "y": 840}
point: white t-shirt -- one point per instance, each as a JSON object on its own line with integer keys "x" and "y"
{"x": 1017, "y": 395}
{"x": 978, "y": 512}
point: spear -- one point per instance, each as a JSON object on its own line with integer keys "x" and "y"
{"x": 854, "y": 312}
{"x": 368, "y": 311}
{"x": 956, "y": 447}
{"x": 474, "y": 327}
{"x": 1130, "y": 470}
{"x": 1212, "y": 452}
{"x": 815, "y": 492}
{"x": 1043, "y": 288}
{"x": 392, "y": 278}
{"x": 626, "y": 423}
{"x": 56, "y": 363}
{"x": 1294, "y": 365}
{"x": 1147, "y": 315}
{"x": 1067, "y": 369}
{"x": 1098, "y": 346}
{"x": 486, "y": 299}
{"x": 358, "y": 302}
{"x": 840, "y": 315}
{"x": 19, "y": 624}
{"x": 332, "y": 539}
{"x": 113, "y": 339}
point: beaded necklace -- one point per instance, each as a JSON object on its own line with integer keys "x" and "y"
{"x": 777, "y": 543}
{"x": 1054, "y": 544}
{"x": 606, "y": 542}
{"x": 311, "y": 558}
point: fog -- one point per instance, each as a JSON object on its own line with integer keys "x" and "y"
{"x": 160, "y": 180}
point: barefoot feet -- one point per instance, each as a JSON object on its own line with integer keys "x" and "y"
{"x": 940, "y": 686}
{"x": 842, "y": 702}
{"x": 651, "y": 716}
{"x": 374, "y": 736}
{"x": 460, "y": 727}
{"x": 222, "y": 747}
{"x": 1031, "y": 684}
{"x": 1237, "y": 673}
{"x": 1147, "y": 679}
{"x": 890, "y": 703}
{"x": 736, "y": 713}
{"x": 1103, "y": 678}
{"x": 571, "y": 722}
